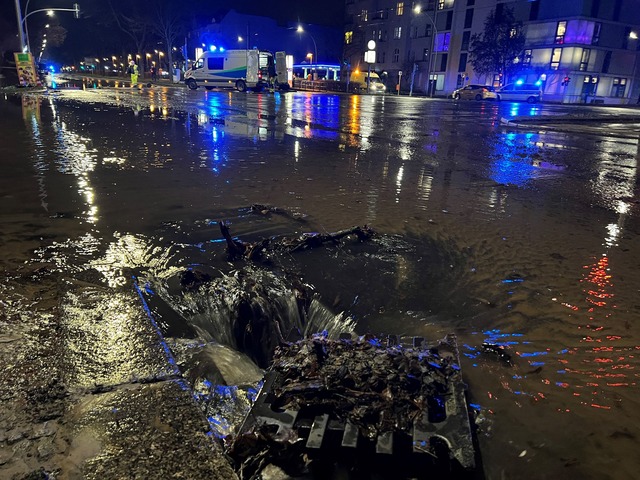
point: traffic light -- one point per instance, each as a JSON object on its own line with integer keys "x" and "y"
{"x": 566, "y": 81}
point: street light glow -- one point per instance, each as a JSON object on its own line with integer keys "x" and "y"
{"x": 633, "y": 35}
{"x": 315, "y": 45}
{"x": 417, "y": 9}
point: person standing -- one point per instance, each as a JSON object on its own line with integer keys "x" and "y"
{"x": 133, "y": 70}
{"x": 154, "y": 73}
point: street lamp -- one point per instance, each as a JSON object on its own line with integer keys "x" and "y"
{"x": 315, "y": 46}
{"x": 160, "y": 54}
{"x": 417, "y": 10}
{"x": 22, "y": 21}
{"x": 369, "y": 58}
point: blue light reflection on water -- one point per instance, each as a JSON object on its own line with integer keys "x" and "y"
{"x": 510, "y": 163}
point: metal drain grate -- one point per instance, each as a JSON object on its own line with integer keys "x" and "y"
{"x": 441, "y": 431}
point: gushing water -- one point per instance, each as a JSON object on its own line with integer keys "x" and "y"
{"x": 252, "y": 311}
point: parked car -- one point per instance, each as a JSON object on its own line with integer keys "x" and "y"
{"x": 520, "y": 92}
{"x": 474, "y": 92}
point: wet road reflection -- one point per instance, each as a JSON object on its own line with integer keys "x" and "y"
{"x": 525, "y": 240}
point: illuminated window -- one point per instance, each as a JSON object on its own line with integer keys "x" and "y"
{"x": 526, "y": 57}
{"x": 560, "y": 31}
{"x": 556, "y": 55}
{"x": 619, "y": 87}
{"x": 584, "y": 61}
{"x": 348, "y": 38}
{"x": 440, "y": 4}
{"x": 396, "y": 55}
{"x": 442, "y": 42}
{"x": 397, "y": 32}
{"x": 364, "y": 15}
{"x": 400, "y": 8}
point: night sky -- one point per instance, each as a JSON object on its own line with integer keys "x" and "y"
{"x": 82, "y": 33}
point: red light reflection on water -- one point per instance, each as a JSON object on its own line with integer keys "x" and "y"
{"x": 606, "y": 363}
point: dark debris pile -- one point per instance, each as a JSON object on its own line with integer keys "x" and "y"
{"x": 377, "y": 387}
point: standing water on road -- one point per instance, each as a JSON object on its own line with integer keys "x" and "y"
{"x": 523, "y": 239}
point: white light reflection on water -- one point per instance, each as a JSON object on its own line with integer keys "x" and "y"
{"x": 31, "y": 114}
{"x": 425, "y": 184}
{"x": 399, "y": 183}
{"x": 616, "y": 175}
{"x": 130, "y": 253}
{"x": 74, "y": 156}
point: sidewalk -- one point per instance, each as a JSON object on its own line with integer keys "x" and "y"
{"x": 125, "y": 79}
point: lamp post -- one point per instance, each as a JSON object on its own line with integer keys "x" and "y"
{"x": 22, "y": 27}
{"x": 417, "y": 10}
{"x": 23, "y": 45}
{"x": 370, "y": 57}
{"x": 26, "y": 26}
{"x": 315, "y": 46}
{"x": 633, "y": 35}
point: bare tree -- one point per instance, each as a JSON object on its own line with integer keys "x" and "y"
{"x": 501, "y": 42}
{"x": 169, "y": 24}
{"x": 134, "y": 20}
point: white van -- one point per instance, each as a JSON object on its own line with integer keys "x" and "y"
{"x": 359, "y": 81}
{"x": 240, "y": 69}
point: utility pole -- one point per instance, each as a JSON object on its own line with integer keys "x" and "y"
{"x": 20, "y": 30}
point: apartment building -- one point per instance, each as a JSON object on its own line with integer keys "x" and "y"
{"x": 579, "y": 50}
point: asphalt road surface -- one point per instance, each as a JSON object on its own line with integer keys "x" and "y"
{"x": 522, "y": 235}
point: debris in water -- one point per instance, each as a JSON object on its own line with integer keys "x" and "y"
{"x": 346, "y": 399}
{"x": 499, "y": 351}
{"x": 255, "y": 250}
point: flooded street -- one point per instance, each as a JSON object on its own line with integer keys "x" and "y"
{"x": 521, "y": 237}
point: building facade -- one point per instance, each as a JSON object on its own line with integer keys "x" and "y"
{"x": 579, "y": 50}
